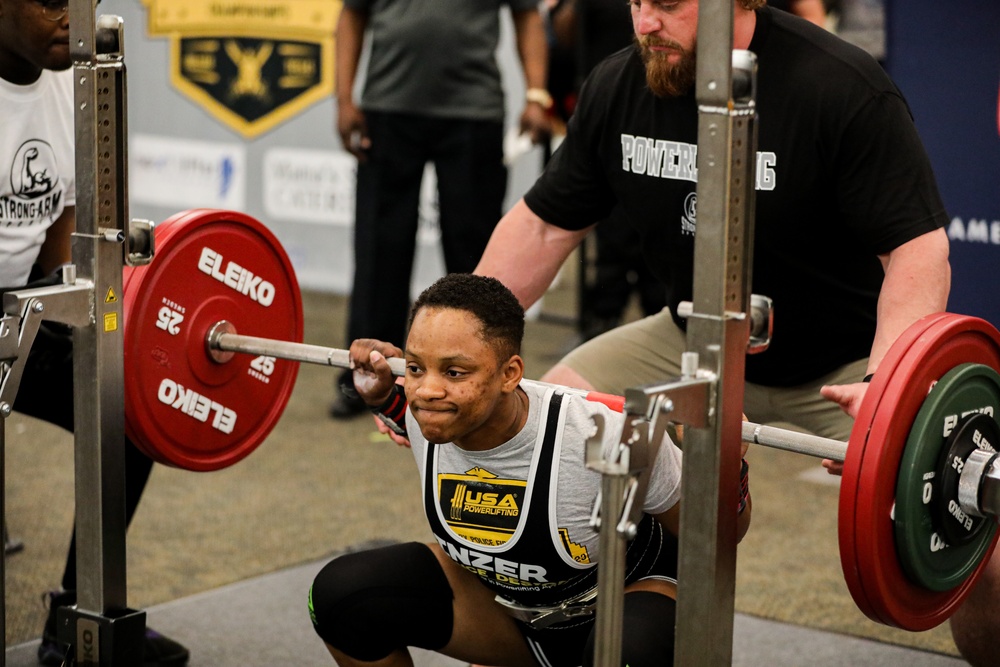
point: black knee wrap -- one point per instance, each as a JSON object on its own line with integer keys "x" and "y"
{"x": 370, "y": 603}
{"x": 647, "y": 631}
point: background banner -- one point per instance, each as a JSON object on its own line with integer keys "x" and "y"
{"x": 945, "y": 57}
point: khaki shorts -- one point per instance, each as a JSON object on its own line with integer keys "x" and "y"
{"x": 649, "y": 350}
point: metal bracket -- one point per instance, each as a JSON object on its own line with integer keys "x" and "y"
{"x": 761, "y": 320}
{"x": 140, "y": 242}
{"x": 24, "y": 311}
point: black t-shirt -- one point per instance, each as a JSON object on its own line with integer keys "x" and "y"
{"x": 841, "y": 177}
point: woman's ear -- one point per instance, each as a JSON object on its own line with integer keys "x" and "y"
{"x": 513, "y": 372}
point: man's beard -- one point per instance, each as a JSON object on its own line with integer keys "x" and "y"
{"x": 666, "y": 79}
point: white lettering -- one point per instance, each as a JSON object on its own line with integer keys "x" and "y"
{"x": 236, "y": 277}
{"x": 639, "y": 158}
{"x": 169, "y": 320}
{"x": 484, "y": 563}
{"x": 765, "y": 170}
{"x": 628, "y": 145}
{"x": 974, "y": 231}
{"x": 977, "y": 230}
{"x": 195, "y": 405}
{"x": 529, "y": 572}
{"x": 481, "y": 560}
{"x": 678, "y": 161}
{"x": 956, "y": 511}
{"x": 505, "y": 567}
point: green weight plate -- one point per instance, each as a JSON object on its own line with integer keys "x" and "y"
{"x": 926, "y": 558}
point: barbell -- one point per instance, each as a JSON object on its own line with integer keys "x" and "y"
{"x": 915, "y": 533}
{"x": 222, "y": 341}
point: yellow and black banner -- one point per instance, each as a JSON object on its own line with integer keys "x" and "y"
{"x": 252, "y": 64}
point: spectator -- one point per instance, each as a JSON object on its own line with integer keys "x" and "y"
{"x": 432, "y": 94}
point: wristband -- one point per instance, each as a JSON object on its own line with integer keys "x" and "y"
{"x": 539, "y": 96}
{"x": 392, "y": 411}
{"x": 744, "y": 485}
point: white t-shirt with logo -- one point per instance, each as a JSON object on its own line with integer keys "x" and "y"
{"x": 37, "y": 168}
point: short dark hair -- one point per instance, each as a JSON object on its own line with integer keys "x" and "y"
{"x": 495, "y": 306}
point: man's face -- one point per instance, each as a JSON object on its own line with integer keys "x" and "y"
{"x": 30, "y": 41}
{"x": 665, "y": 34}
{"x": 454, "y": 379}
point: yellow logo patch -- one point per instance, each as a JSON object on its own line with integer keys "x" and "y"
{"x": 480, "y": 507}
{"x": 252, "y": 64}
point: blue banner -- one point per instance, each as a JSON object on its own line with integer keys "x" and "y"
{"x": 945, "y": 57}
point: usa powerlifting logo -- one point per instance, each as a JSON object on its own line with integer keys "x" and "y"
{"x": 250, "y": 64}
{"x": 35, "y": 194}
{"x": 481, "y": 508}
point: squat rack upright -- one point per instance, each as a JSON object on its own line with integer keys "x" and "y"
{"x": 708, "y": 397}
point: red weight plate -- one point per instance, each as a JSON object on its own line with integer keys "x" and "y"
{"x": 858, "y": 533}
{"x": 181, "y": 407}
{"x": 846, "y": 522}
{"x": 895, "y": 600}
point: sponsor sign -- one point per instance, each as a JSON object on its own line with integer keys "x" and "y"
{"x": 252, "y": 64}
{"x": 302, "y": 185}
{"x": 183, "y": 173}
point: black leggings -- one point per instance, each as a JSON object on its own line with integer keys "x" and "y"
{"x": 46, "y": 393}
{"x": 368, "y": 604}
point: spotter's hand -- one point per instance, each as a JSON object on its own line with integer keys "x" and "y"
{"x": 849, "y": 398}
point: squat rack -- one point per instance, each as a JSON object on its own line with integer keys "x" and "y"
{"x": 708, "y": 397}
{"x": 101, "y": 629}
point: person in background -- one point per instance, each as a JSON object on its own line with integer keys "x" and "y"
{"x": 37, "y": 217}
{"x": 849, "y": 222}
{"x": 432, "y": 93}
{"x": 585, "y": 32}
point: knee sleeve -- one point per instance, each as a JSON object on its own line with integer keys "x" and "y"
{"x": 647, "y": 631}
{"x": 370, "y": 603}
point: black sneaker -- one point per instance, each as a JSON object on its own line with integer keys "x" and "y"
{"x": 158, "y": 651}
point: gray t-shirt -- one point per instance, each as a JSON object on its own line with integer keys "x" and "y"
{"x": 435, "y": 57}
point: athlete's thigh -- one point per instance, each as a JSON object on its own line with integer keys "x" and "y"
{"x": 641, "y": 352}
{"x": 483, "y": 632}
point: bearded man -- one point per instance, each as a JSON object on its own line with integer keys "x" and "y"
{"x": 849, "y": 236}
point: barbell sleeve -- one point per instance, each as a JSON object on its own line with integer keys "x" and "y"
{"x": 222, "y": 338}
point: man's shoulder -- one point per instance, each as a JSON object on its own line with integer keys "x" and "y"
{"x": 795, "y": 47}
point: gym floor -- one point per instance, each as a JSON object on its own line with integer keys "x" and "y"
{"x": 222, "y": 561}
